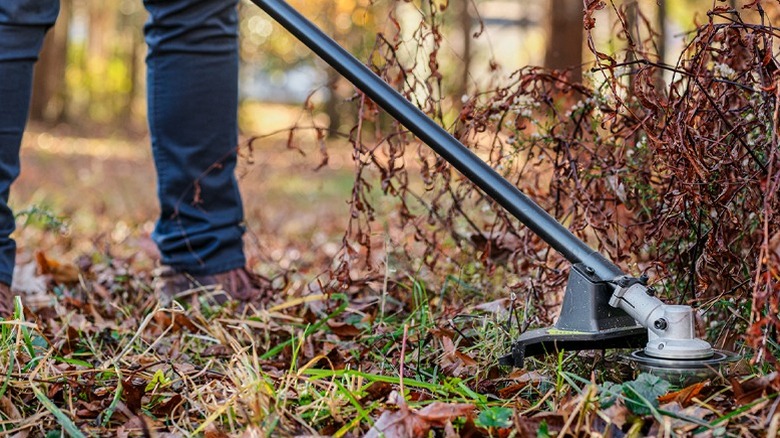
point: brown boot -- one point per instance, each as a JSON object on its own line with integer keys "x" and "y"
{"x": 6, "y": 301}
{"x": 237, "y": 284}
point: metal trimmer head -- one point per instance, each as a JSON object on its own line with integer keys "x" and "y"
{"x": 683, "y": 372}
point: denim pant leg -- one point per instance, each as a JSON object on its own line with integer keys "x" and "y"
{"x": 23, "y": 24}
{"x": 193, "y": 97}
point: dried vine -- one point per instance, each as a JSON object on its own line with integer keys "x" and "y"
{"x": 669, "y": 170}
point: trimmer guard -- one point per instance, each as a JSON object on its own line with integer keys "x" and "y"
{"x": 586, "y": 322}
{"x": 550, "y": 340}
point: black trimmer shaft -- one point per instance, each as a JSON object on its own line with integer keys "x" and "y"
{"x": 444, "y": 144}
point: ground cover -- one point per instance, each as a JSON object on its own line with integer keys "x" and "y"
{"x": 95, "y": 355}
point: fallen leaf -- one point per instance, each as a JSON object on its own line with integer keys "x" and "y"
{"x": 9, "y": 409}
{"x": 454, "y": 362}
{"x": 212, "y": 431}
{"x": 133, "y": 390}
{"x": 141, "y": 426}
{"x": 59, "y": 272}
{"x": 176, "y": 320}
{"x": 406, "y": 422}
{"x": 89, "y": 410}
{"x": 253, "y": 432}
{"x": 376, "y": 391}
{"x": 27, "y": 281}
{"x": 685, "y": 395}
{"x": 343, "y": 330}
{"x": 217, "y": 350}
{"x": 510, "y": 390}
{"x": 751, "y": 389}
{"x": 333, "y": 360}
{"x": 681, "y": 425}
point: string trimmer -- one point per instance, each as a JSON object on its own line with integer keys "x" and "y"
{"x": 602, "y": 306}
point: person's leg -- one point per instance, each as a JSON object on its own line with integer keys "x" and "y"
{"x": 23, "y": 24}
{"x": 192, "y": 103}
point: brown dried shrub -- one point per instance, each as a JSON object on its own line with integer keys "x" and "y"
{"x": 668, "y": 170}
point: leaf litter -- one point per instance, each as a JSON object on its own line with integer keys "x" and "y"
{"x": 126, "y": 367}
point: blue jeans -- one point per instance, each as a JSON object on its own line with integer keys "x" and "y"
{"x": 192, "y": 108}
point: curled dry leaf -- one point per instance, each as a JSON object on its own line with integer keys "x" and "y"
{"x": 685, "y": 395}
{"x": 454, "y": 362}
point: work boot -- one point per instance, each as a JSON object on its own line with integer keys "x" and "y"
{"x": 6, "y": 301}
{"x": 237, "y": 284}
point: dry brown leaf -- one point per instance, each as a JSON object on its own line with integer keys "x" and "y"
{"x": 376, "y": 391}
{"x": 166, "y": 318}
{"x": 165, "y": 408}
{"x": 217, "y": 350}
{"x": 133, "y": 390}
{"x": 682, "y": 426}
{"x": 510, "y": 390}
{"x": 89, "y": 410}
{"x": 409, "y": 423}
{"x": 749, "y": 390}
{"x": 454, "y": 362}
{"x": 253, "y": 432}
{"x": 8, "y": 408}
{"x": 343, "y": 330}
{"x": 212, "y": 431}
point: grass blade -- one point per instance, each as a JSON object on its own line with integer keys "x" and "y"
{"x": 67, "y": 424}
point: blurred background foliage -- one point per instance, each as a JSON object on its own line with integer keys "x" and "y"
{"x": 91, "y": 73}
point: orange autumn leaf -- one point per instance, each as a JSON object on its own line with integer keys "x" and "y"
{"x": 59, "y": 272}
{"x": 685, "y": 395}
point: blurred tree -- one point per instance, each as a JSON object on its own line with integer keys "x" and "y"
{"x": 564, "y": 41}
{"x": 266, "y": 46}
{"x": 466, "y": 21}
{"x": 48, "y": 94}
{"x": 332, "y": 105}
{"x": 660, "y": 25}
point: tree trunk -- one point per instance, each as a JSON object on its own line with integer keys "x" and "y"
{"x": 661, "y": 29}
{"x": 465, "y": 26}
{"x": 661, "y": 43}
{"x": 47, "y": 102}
{"x": 564, "y": 42}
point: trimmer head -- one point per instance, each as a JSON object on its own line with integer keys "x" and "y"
{"x": 595, "y": 316}
{"x": 683, "y": 372}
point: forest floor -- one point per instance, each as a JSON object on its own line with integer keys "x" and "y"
{"x": 398, "y": 353}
